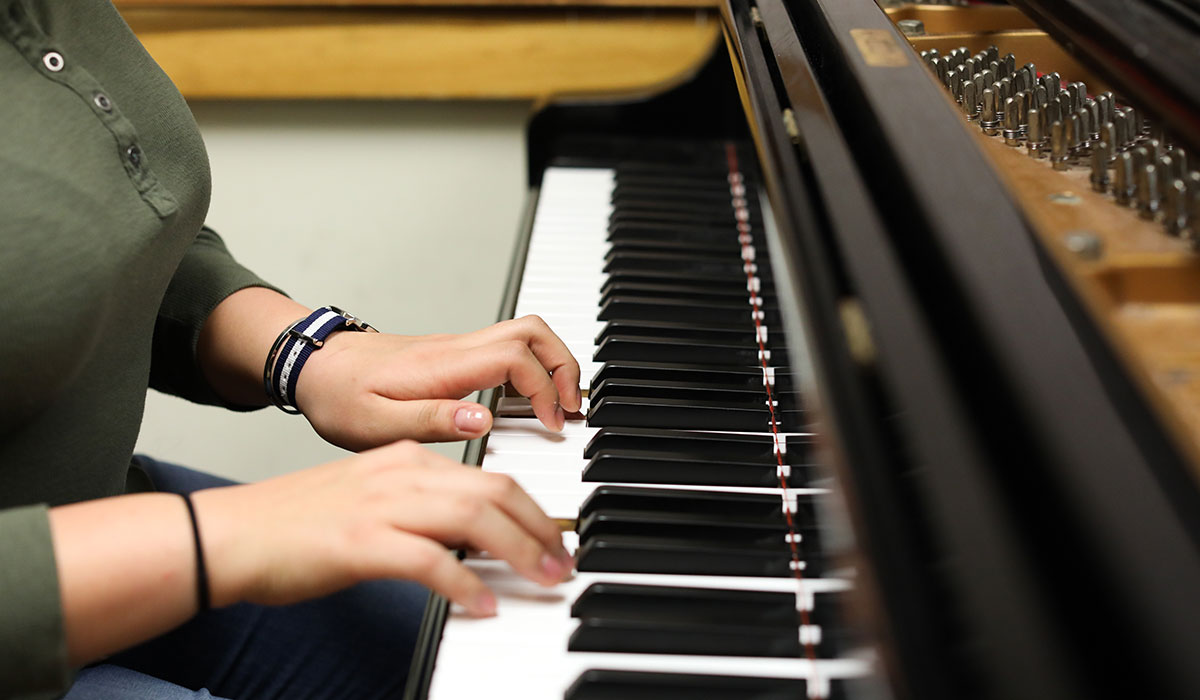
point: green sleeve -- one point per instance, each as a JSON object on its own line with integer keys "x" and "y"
{"x": 207, "y": 274}
{"x": 33, "y": 645}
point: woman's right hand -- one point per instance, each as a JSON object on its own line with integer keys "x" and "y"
{"x": 391, "y": 512}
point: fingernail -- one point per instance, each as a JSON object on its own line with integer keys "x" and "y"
{"x": 552, "y": 568}
{"x": 559, "y": 417}
{"x": 485, "y": 604}
{"x": 579, "y": 397}
{"x": 469, "y": 420}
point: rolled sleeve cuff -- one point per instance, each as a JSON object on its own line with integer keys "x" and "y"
{"x": 206, "y": 276}
{"x": 33, "y": 645}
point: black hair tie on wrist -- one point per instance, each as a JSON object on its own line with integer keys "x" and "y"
{"x": 203, "y": 598}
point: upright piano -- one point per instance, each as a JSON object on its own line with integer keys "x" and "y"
{"x": 890, "y": 335}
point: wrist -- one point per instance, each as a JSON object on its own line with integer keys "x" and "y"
{"x": 235, "y": 340}
{"x": 230, "y": 565}
{"x": 293, "y": 348}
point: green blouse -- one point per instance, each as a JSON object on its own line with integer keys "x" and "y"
{"x": 106, "y": 275}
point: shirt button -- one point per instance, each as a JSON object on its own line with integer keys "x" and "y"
{"x": 134, "y": 154}
{"x": 102, "y": 101}
{"x": 53, "y": 61}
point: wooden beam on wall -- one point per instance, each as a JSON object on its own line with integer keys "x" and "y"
{"x": 534, "y": 54}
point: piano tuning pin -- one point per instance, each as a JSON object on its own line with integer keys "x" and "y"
{"x": 1036, "y": 138}
{"x": 1018, "y": 81}
{"x": 1147, "y": 192}
{"x": 1166, "y": 175}
{"x": 1072, "y": 93}
{"x": 1058, "y": 145}
{"x": 1141, "y": 158}
{"x": 993, "y": 53}
{"x": 1093, "y": 112}
{"x": 1053, "y": 112}
{"x": 1012, "y": 123}
{"x": 1081, "y": 142}
{"x": 1022, "y": 103}
{"x": 988, "y": 121}
{"x": 1010, "y": 62}
{"x": 1032, "y": 70}
{"x": 970, "y": 102}
{"x": 1123, "y": 179}
{"x": 1121, "y": 127}
{"x": 1108, "y": 134}
{"x": 1153, "y": 150}
{"x": 1072, "y": 137}
{"x": 1110, "y": 106}
{"x": 1041, "y": 96}
{"x": 1181, "y": 162}
{"x": 1175, "y": 214}
{"x": 1100, "y": 157}
{"x": 1006, "y": 90}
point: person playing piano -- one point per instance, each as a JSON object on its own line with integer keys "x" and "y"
{"x": 304, "y": 586}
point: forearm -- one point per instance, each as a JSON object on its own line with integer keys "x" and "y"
{"x": 126, "y": 569}
{"x": 236, "y": 338}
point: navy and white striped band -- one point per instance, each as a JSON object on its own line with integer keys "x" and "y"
{"x": 295, "y": 344}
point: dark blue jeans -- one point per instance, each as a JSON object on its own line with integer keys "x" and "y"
{"x": 354, "y": 644}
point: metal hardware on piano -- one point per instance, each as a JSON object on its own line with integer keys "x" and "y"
{"x": 895, "y": 346}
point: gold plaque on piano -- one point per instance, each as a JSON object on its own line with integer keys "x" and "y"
{"x": 879, "y": 48}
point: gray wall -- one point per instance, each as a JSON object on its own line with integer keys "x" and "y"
{"x": 402, "y": 213}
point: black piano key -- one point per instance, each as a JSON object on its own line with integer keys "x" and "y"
{"x": 644, "y": 412}
{"x": 695, "y": 291}
{"x": 732, "y": 397}
{"x": 749, "y": 376}
{"x": 717, "y": 247}
{"x": 698, "y": 445}
{"x": 659, "y": 349}
{"x": 679, "y": 330}
{"x": 683, "y": 604}
{"x": 679, "y": 192}
{"x": 600, "y": 684}
{"x": 642, "y": 467}
{"x": 665, "y": 555}
{"x": 656, "y": 637}
{"x": 638, "y": 215}
{"x": 733, "y": 503}
{"x": 628, "y": 230}
{"x": 750, "y": 532}
{"x": 667, "y": 309}
{"x": 701, "y": 267}
{"x": 731, "y": 277}
{"x": 689, "y": 350}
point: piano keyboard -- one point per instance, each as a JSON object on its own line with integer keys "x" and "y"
{"x": 699, "y": 571}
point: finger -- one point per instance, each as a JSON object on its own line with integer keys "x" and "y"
{"x": 546, "y": 346}
{"x": 513, "y": 361}
{"x": 474, "y": 522}
{"x": 426, "y": 420}
{"x": 408, "y": 556}
{"x": 509, "y": 497}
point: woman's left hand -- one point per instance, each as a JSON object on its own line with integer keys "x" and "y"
{"x": 363, "y": 390}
